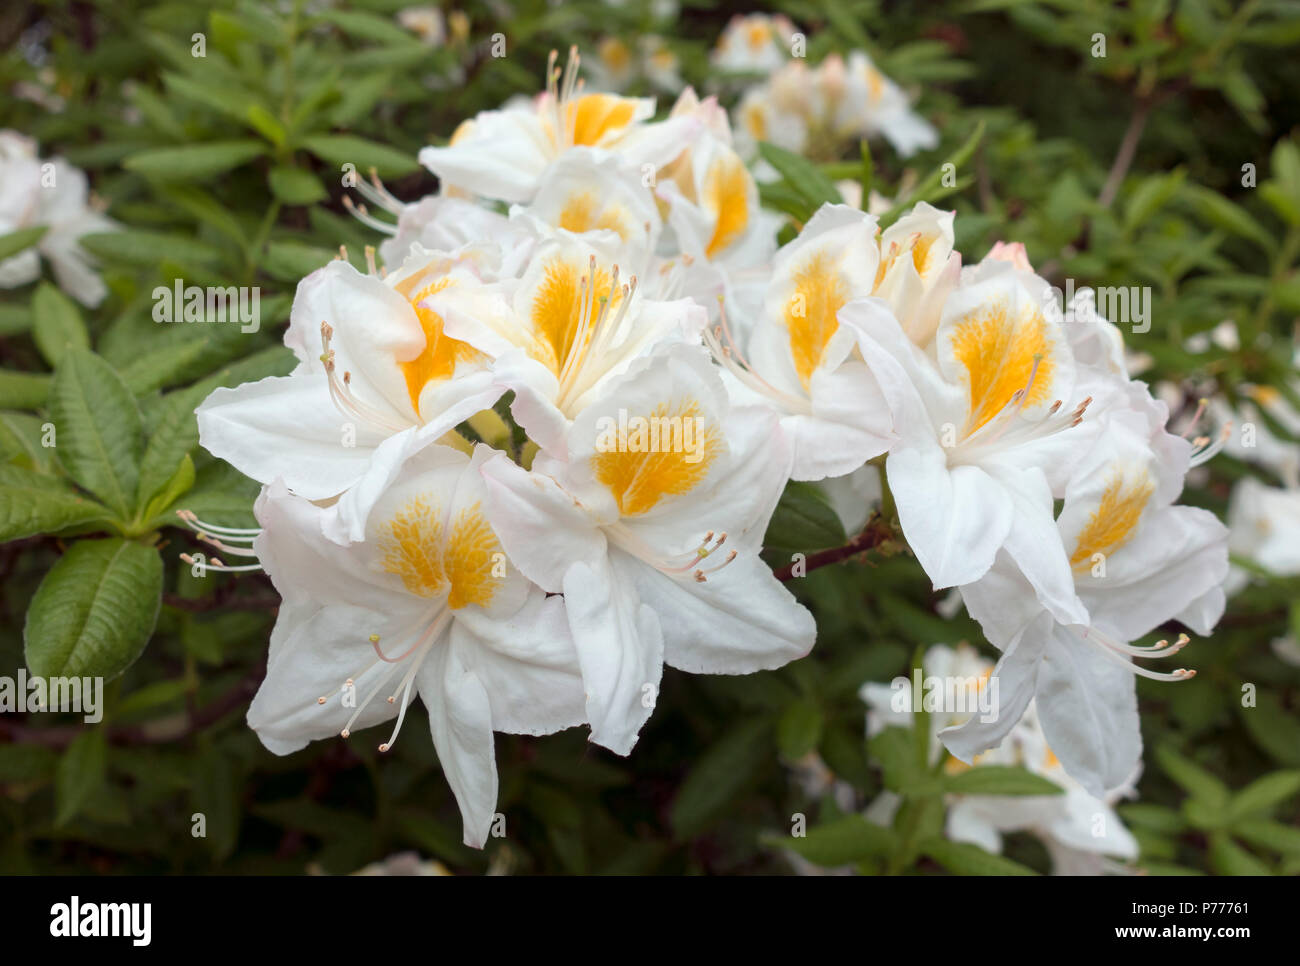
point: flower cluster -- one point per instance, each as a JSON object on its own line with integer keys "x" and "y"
{"x": 532, "y": 458}
{"x": 51, "y": 195}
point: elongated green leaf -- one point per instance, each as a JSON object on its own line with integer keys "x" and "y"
{"x": 1193, "y": 779}
{"x": 341, "y": 149}
{"x": 57, "y": 324}
{"x": 20, "y": 240}
{"x": 148, "y": 248}
{"x": 963, "y": 858}
{"x": 94, "y": 611}
{"x": 98, "y": 428}
{"x": 1229, "y": 216}
{"x": 799, "y": 730}
{"x": 81, "y": 773}
{"x": 1268, "y": 834}
{"x": 804, "y": 521}
{"x": 171, "y": 489}
{"x": 20, "y": 441}
{"x": 194, "y": 162}
{"x": 32, "y": 503}
{"x": 1000, "y": 780}
{"x": 842, "y": 842}
{"x": 294, "y": 186}
{"x": 802, "y": 175}
{"x": 1265, "y": 794}
{"x": 719, "y": 776}
{"x": 23, "y": 390}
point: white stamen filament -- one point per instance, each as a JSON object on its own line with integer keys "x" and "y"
{"x": 726, "y": 350}
{"x": 1120, "y": 654}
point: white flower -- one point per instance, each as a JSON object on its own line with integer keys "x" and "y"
{"x": 54, "y": 194}
{"x": 1137, "y": 561}
{"x": 425, "y": 22}
{"x": 503, "y": 154}
{"x": 1264, "y": 523}
{"x": 377, "y": 379}
{"x": 800, "y": 361}
{"x": 712, "y": 198}
{"x": 629, "y": 529}
{"x": 574, "y": 320}
{"x": 818, "y": 112}
{"x": 426, "y": 603}
{"x": 1077, "y": 827}
{"x": 757, "y": 43}
{"x": 984, "y": 421}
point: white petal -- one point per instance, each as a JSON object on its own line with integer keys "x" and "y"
{"x": 740, "y": 620}
{"x": 460, "y": 719}
{"x": 620, "y": 650}
{"x": 287, "y": 427}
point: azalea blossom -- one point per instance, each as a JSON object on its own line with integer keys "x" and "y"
{"x": 654, "y": 539}
{"x": 574, "y": 320}
{"x": 1137, "y": 561}
{"x": 756, "y": 43}
{"x": 799, "y": 360}
{"x": 712, "y": 199}
{"x": 1077, "y": 828}
{"x": 502, "y": 154}
{"x": 427, "y": 603}
{"x": 819, "y": 112}
{"x": 1264, "y": 526}
{"x": 52, "y": 194}
{"x": 377, "y": 379}
{"x": 986, "y": 417}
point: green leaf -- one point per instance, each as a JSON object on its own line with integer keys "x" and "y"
{"x": 804, "y": 521}
{"x": 148, "y": 248}
{"x": 26, "y": 763}
{"x": 343, "y": 149}
{"x": 1229, "y": 216}
{"x": 194, "y": 162}
{"x": 1193, "y": 779}
{"x": 1000, "y": 780}
{"x": 892, "y": 749}
{"x": 962, "y": 858}
{"x": 719, "y": 776}
{"x": 20, "y": 441}
{"x": 1274, "y": 729}
{"x": 21, "y": 240}
{"x": 57, "y": 324}
{"x": 842, "y": 842}
{"x": 162, "y": 366}
{"x": 294, "y": 186}
{"x": 799, "y": 730}
{"x": 180, "y": 483}
{"x": 32, "y": 503}
{"x": 802, "y": 175}
{"x": 1229, "y": 858}
{"x": 1268, "y": 834}
{"x": 81, "y": 773}
{"x": 95, "y": 609}
{"x": 23, "y": 390}
{"x": 290, "y": 261}
{"x": 216, "y": 798}
{"x": 98, "y": 428}
{"x": 1265, "y": 794}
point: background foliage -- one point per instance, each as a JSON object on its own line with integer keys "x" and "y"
{"x": 226, "y": 170}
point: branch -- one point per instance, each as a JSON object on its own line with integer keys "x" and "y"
{"x": 162, "y": 731}
{"x": 873, "y": 535}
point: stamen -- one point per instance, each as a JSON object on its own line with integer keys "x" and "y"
{"x": 1201, "y": 405}
{"x": 1120, "y": 652}
{"x": 1204, "y": 453}
{"x": 216, "y": 565}
{"x": 361, "y": 214}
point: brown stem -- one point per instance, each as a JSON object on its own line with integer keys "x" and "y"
{"x": 875, "y": 533}
{"x": 149, "y": 733}
{"x": 1127, "y": 149}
